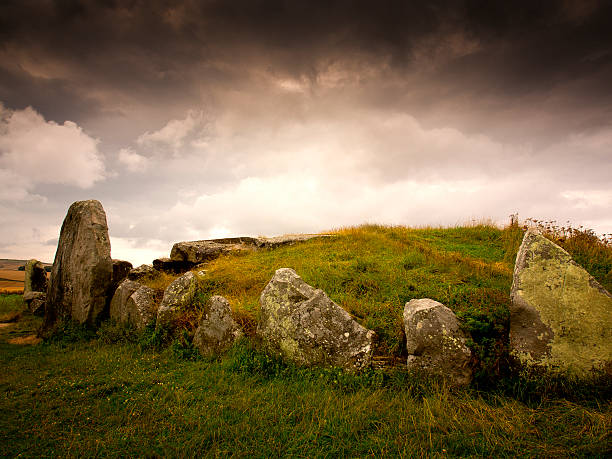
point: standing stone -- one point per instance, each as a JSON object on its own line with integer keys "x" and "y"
{"x": 435, "y": 342}
{"x": 301, "y": 324}
{"x": 560, "y": 316}
{"x": 82, "y": 271}
{"x": 35, "y": 279}
{"x": 218, "y": 330}
{"x": 177, "y": 296}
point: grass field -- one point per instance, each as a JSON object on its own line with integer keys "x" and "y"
{"x": 11, "y": 281}
{"x": 112, "y": 392}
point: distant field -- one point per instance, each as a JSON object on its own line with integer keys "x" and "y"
{"x": 11, "y": 281}
{"x": 13, "y": 265}
{"x": 10, "y": 275}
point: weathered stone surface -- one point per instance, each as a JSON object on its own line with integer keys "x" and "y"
{"x": 435, "y": 341}
{"x": 35, "y": 279}
{"x": 82, "y": 271}
{"x": 287, "y": 239}
{"x": 303, "y": 325}
{"x": 35, "y": 301}
{"x": 34, "y": 296}
{"x": 37, "y": 306}
{"x": 178, "y": 295}
{"x": 170, "y": 266}
{"x": 118, "y": 305}
{"x": 121, "y": 269}
{"x": 217, "y": 330}
{"x": 195, "y": 252}
{"x": 141, "y": 307}
{"x": 560, "y": 316}
{"x": 141, "y": 272}
{"x": 134, "y": 304}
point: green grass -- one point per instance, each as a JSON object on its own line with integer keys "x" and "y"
{"x": 372, "y": 271}
{"x": 115, "y": 392}
{"x": 10, "y": 307}
{"x": 91, "y": 398}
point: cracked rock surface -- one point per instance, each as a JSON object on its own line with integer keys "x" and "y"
{"x": 303, "y": 325}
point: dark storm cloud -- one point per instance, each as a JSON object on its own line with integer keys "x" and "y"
{"x": 211, "y": 118}
{"x": 161, "y": 49}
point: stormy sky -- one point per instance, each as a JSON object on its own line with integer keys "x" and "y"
{"x": 199, "y": 119}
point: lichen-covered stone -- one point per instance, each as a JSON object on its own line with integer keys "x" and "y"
{"x": 141, "y": 307}
{"x": 118, "y": 305}
{"x": 141, "y": 272}
{"x": 301, "y": 324}
{"x": 35, "y": 301}
{"x": 134, "y": 304}
{"x": 560, "y": 316}
{"x": 82, "y": 271}
{"x": 191, "y": 253}
{"x": 178, "y": 295}
{"x": 435, "y": 342}
{"x": 217, "y": 330}
{"x": 35, "y": 278}
{"x": 195, "y": 252}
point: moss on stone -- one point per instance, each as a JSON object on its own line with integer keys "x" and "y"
{"x": 570, "y": 302}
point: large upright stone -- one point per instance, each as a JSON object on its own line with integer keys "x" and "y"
{"x": 35, "y": 279}
{"x": 301, "y": 324}
{"x": 560, "y": 316}
{"x": 82, "y": 271}
{"x": 435, "y": 343}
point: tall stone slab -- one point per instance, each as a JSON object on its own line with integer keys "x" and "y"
{"x": 83, "y": 269}
{"x": 560, "y": 316}
{"x": 35, "y": 279}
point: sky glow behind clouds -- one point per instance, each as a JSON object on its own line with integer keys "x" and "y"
{"x": 191, "y": 120}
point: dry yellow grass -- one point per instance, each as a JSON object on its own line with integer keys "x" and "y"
{"x": 13, "y": 289}
{"x": 11, "y": 281}
{"x": 25, "y": 340}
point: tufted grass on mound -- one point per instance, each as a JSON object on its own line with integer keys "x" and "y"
{"x": 372, "y": 271}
